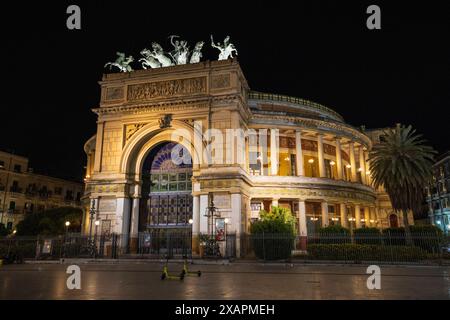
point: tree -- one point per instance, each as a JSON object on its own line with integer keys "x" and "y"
{"x": 280, "y": 214}
{"x": 3, "y": 230}
{"x": 401, "y": 163}
{"x": 50, "y": 222}
{"x": 273, "y": 235}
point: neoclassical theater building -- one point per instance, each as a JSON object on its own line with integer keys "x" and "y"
{"x": 305, "y": 156}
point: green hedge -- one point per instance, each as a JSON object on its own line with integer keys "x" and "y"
{"x": 429, "y": 238}
{"x": 365, "y": 252}
{"x": 394, "y": 236}
{"x": 332, "y": 235}
{"x": 17, "y": 252}
{"x": 367, "y": 236}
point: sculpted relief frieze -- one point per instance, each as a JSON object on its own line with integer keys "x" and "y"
{"x": 114, "y": 93}
{"x": 312, "y": 194}
{"x": 106, "y": 188}
{"x": 220, "y": 81}
{"x": 166, "y": 89}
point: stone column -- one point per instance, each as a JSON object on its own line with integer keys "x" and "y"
{"x": 324, "y": 206}
{"x": 367, "y": 216}
{"x": 236, "y": 218}
{"x": 339, "y": 167}
{"x": 246, "y": 155}
{"x": 320, "y": 156}
{"x": 351, "y": 148}
{"x": 302, "y": 224}
{"x": 368, "y": 175}
{"x": 203, "y": 220}
{"x": 195, "y": 222}
{"x": 344, "y": 219}
{"x": 299, "y": 153}
{"x": 358, "y": 216}
{"x": 134, "y": 234}
{"x": 372, "y": 216}
{"x": 362, "y": 165}
{"x": 122, "y": 225}
{"x": 275, "y": 202}
{"x": 263, "y": 150}
{"x": 88, "y": 165}
{"x": 98, "y": 147}
{"x": 274, "y": 151}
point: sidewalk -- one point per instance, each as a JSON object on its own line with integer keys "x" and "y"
{"x": 198, "y": 261}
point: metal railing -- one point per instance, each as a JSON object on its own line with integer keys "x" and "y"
{"x": 255, "y": 95}
{"x": 357, "y": 248}
{"x": 387, "y": 248}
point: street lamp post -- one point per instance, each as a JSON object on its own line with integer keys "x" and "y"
{"x": 311, "y": 161}
{"x": 91, "y": 218}
{"x": 67, "y": 226}
{"x": 97, "y": 223}
{"x": 227, "y": 221}
{"x": 212, "y": 213}
{"x": 332, "y": 163}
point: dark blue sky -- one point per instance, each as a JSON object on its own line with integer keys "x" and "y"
{"x": 317, "y": 50}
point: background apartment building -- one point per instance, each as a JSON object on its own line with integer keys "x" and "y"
{"x": 23, "y": 192}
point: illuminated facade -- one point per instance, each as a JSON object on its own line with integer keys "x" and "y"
{"x": 23, "y": 192}
{"x": 292, "y": 153}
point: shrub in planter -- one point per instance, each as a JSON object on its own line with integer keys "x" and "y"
{"x": 367, "y": 236}
{"x": 394, "y": 236}
{"x": 273, "y": 236}
{"x": 332, "y": 234}
{"x": 365, "y": 252}
{"x": 429, "y": 238}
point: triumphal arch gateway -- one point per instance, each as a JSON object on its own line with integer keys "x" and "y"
{"x": 246, "y": 150}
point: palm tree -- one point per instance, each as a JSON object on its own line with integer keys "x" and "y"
{"x": 402, "y": 165}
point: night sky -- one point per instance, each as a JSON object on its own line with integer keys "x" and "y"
{"x": 320, "y": 51}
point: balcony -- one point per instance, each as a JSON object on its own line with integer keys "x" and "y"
{"x": 313, "y": 188}
{"x": 14, "y": 211}
{"x": 15, "y": 190}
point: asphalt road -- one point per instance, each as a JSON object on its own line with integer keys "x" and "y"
{"x": 234, "y": 281}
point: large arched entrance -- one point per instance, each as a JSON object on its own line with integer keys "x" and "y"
{"x": 166, "y": 203}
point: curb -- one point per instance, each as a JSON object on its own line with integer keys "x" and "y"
{"x": 227, "y": 262}
{"x": 125, "y": 261}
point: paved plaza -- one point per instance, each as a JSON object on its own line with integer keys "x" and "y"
{"x": 131, "y": 280}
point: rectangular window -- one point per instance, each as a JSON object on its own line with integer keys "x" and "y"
{"x": 17, "y": 168}
{"x": 2, "y": 164}
{"x": 15, "y": 187}
{"x": 12, "y": 205}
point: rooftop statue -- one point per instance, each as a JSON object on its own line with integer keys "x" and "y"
{"x": 180, "y": 53}
{"x": 226, "y": 50}
{"x": 197, "y": 52}
{"x": 158, "y": 54}
{"x": 122, "y": 62}
{"x": 149, "y": 60}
